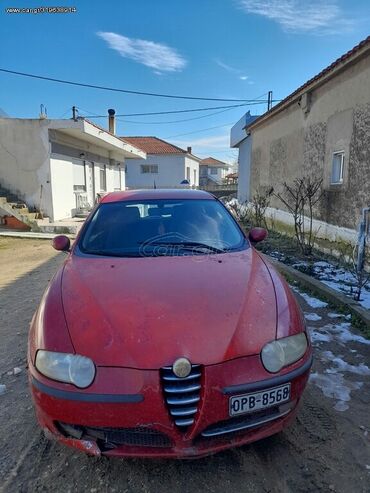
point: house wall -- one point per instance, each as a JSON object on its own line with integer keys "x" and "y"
{"x": 34, "y": 158}
{"x": 171, "y": 171}
{"x": 64, "y": 200}
{"x": 69, "y": 146}
{"x": 244, "y": 169}
{"x": 293, "y": 143}
{"x": 24, "y": 160}
{"x": 194, "y": 166}
{"x": 221, "y": 173}
{"x": 64, "y": 197}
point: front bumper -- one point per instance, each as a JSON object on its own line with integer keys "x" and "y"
{"x": 124, "y": 412}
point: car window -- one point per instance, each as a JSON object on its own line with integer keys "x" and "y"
{"x": 161, "y": 227}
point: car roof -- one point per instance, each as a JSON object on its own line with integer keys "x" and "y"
{"x": 156, "y": 193}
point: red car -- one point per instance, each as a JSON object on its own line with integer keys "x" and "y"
{"x": 165, "y": 333}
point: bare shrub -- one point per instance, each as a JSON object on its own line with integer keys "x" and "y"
{"x": 299, "y": 198}
{"x": 360, "y": 276}
{"x": 259, "y": 203}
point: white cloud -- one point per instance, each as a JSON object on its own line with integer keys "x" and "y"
{"x": 158, "y": 56}
{"x": 232, "y": 70}
{"x": 227, "y": 67}
{"x": 314, "y": 16}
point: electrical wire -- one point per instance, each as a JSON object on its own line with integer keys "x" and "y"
{"x": 177, "y": 111}
{"x": 200, "y": 130}
{"x": 252, "y": 103}
{"x": 114, "y": 89}
{"x": 173, "y": 121}
{"x": 64, "y": 114}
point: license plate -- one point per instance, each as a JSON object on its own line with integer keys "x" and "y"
{"x": 246, "y": 403}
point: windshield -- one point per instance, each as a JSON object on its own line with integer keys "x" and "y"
{"x": 161, "y": 228}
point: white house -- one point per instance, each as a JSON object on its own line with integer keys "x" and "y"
{"x": 241, "y": 139}
{"x": 212, "y": 171}
{"x": 59, "y": 167}
{"x": 166, "y": 165}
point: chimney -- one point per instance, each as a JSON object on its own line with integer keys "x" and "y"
{"x": 112, "y": 121}
{"x": 189, "y": 150}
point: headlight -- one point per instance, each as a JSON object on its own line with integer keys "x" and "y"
{"x": 69, "y": 368}
{"x": 277, "y": 354}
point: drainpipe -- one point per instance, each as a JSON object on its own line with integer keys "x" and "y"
{"x": 112, "y": 121}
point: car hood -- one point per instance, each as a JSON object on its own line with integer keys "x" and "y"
{"x": 146, "y": 312}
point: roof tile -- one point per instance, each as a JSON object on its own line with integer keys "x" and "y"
{"x": 154, "y": 145}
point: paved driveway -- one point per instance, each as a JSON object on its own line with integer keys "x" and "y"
{"x": 326, "y": 449}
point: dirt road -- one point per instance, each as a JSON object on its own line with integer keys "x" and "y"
{"x": 326, "y": 449}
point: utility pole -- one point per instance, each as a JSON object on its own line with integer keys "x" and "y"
{"x": 269, "y": 101}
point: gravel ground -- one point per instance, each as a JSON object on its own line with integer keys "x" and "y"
{"x": 326, "y": 449}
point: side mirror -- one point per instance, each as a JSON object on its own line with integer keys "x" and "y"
{"x": 257, "y": 234}
{"x": 61, "y": 243}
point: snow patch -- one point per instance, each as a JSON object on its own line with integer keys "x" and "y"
{"x": 342, "y": 365}
{"x": 335, "y": 315}
{"x": 317, "y": 335}
{"x": 277, "y": 255}
{"x": 341, "y": 280}
{"x": 336, "y": 387}
{"x": 342, "y": 332}
{"x": 312, "y": 317}
{"x": 2, "y": 389}
{"x": 310, "y": 300}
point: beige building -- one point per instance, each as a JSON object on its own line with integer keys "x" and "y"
{"x": 323, "y": 130}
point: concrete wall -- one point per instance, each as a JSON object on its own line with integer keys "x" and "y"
{"x": 171, "y": 171}
{"x": 64, "y": 197}
{"x": 64, "y": 200}
{"x": 194, "y": 167}
{"x": 294, "y": 143}
{"x": 244, "y": 169}
{"x": 219, "y": 176}
{"x": 32, "y": 158}
{"x": 24, "y": 160}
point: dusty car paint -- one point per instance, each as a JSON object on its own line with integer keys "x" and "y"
{"x": 133, "y": 316}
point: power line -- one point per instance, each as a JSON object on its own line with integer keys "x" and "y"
{"x": 114, "y": 89}
{"x": 201, "y": 130}
{"x": 173, "y": 121}
{"x": 252, "y": 102}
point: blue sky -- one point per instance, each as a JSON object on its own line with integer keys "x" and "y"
{"x": 212, "y": 48}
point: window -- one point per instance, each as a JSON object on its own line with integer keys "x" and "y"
{"x": 188, "y": 173}
{"x": 337, "y": 170}
{"x": 79, "y": 178}
{"x": 103, "y": 178}
{"x": 214, "y": 171}
{"x": 195, "y": 176}
{"x": 149, "y": 168}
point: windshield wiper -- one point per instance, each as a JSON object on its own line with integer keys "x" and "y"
{"x": 185, "y": 245}
{"x": 113, "y": 254}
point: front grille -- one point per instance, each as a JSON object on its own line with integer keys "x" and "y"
{"x": 108, "y": 438}
{"x": 246, "y": 422}
{"x": 182, "y": 395}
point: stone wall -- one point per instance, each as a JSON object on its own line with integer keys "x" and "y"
{"x": 295, "y": 143}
